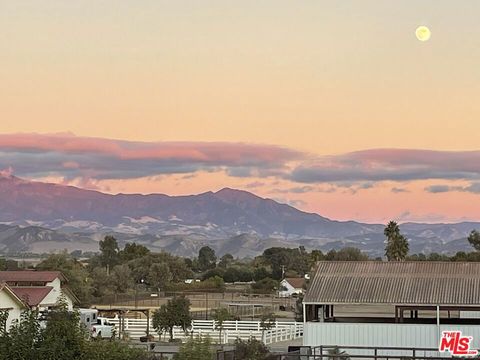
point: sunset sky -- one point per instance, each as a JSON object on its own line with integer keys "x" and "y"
{"x": 331, "y": 106}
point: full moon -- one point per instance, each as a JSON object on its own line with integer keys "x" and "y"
{"x": 423, "y": 33}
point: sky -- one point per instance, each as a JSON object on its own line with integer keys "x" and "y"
{"x": 333, "y": 107}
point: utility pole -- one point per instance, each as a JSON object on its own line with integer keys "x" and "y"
{"x": 206, "y": 305}
{"x": 136, "y": 299}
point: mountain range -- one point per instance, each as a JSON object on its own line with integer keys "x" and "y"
{"x": 42, "y": 217}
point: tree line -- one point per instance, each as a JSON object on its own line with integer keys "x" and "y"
{"x": 115, "y": 270}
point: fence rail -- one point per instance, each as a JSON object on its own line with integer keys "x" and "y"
{"x": 231, "y": 330}
{"x": 331, "y": 352}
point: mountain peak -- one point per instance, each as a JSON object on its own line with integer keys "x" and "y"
{"x": 11, "y": 179}
{"x": 227, "y": 190}
{"x": 230, "y": 194}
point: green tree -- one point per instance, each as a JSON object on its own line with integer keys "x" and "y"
{"x": 4, "y": 338}
{"x": 206, "y": 258}
{"x": 282, "y": 260}
{"x": 213, "y": 272}
{"x": 121, "y": 278}
{"x": 220, "y": 316}
{"x": 252, "y": 349}
{"x": 196, "y": 349}
{"x": 316, "y": 255}
{"x": 437, "y": 257}
{"x": 265, "y": 286}
{"x": 76, "y": 274}
{"x": 225, "y": 261}
{"x": 237, "y": 273}
{"x": 397, "y": 245}
{"x": 159, "y": 275}
{"x": 8, "y": 265}
{"x": 215, "y": 282}
{"x": 133, "y": 251}
{"x": 4, "y": 313}
{"x": 346, "y": 254}
{"x": 113, "y": 350}
{"x": 76, "y": 254}
{"x": 101, "y": 283}
{"x": 23, "y": 339}
{"x": 474, "y": 239}
{"x": 179, "y": 269}
{"x": 261, "y": 273}
{"x": 175, "y": 313}
{"x": 109, "y": 252}
{"x": 63, "y": 337}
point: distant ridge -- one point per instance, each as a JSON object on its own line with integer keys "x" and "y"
{"x": 41, "y": 214}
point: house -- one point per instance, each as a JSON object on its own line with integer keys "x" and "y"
{"x": 39, "y": 289}
{"x": 395, "y": 304}
{"x": 290, "y": 286}
{"x": 12, "y": 303}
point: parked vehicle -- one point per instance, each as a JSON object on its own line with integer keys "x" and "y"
{"x": 103, "y": 329}
{"x": 88, "y": 317}
{"x": 98, "y": 327}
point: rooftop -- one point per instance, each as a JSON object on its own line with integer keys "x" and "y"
{"x": 297, "y": 283}
{"x": 30, "y": 276}
{"x": 400, "y": 283}
{"x": 32, "y": 296}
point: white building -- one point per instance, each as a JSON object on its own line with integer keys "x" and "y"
{"x": 10, "y": 302}
{"x": 290, "y": 286}
{"x": 391, "y": 304}
{"x": 39, "y": 289}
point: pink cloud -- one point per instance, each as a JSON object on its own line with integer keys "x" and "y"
{"x": 6, "y": 172}
{"x": 206, "y": 152}
{"x": 390, "y": 164}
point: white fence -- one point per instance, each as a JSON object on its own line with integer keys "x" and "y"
{"x": 231, "y": 330}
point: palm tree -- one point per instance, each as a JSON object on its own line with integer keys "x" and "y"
{"x": 391, "y": 230}
{"x": 397, "y": 244}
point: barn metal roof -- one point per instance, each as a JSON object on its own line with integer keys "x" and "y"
{"x": 296, "y": 283}
{"x": 32, "y": 296}
{"x": 401, "y": 283}
{"x": 30, "y": 276}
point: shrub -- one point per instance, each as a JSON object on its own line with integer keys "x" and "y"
{"x": 196, "y": 349}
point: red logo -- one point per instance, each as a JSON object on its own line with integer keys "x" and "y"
{"x": 456, "y": 344}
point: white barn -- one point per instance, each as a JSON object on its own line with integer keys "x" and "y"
{"x": 391, "y": 304}
{"x": 10, "y": 302}
{"x": 39, "y": 289}
{"x": 290, "y": 286}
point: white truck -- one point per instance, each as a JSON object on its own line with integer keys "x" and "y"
{"x": 98, "y": 327}
{"x": 103, "y": 329}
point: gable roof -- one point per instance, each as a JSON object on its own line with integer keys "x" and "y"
{"x": 297, "y": 283}
{"x": 30, "y": 275}
{"x": 400, "y": 283}
{"x": 11, "y": 293}
{"x": 32, "y": 296}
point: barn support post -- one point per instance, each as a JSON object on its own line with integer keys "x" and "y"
{"x": 438, "y": 324}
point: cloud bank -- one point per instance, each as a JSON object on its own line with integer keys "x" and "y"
{"x": 473, "y": 188}
{"x": 73, "y": 156}
{"x": 95, "y": 159}
{"x": 390, "y": 165}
